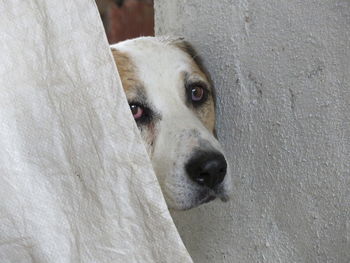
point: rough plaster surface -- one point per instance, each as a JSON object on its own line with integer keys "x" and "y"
{"x": 282, "y": 73}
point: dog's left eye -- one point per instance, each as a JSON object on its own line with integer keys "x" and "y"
{"x": 197, "y": 93}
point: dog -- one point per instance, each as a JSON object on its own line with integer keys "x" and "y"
{"x": 172, "y": 100}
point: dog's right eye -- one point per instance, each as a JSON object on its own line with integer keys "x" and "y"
{"x": 137, "y": 111}
{"x": 141, "y": 113}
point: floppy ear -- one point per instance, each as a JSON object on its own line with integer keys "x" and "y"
{"x": 185, "y": 46}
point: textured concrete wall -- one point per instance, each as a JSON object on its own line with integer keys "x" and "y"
{"x": 282, "y": 72}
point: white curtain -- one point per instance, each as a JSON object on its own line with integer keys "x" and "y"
{"x": 76, "y": 184}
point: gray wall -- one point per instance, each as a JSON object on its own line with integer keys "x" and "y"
{"x": 282, "y": 72}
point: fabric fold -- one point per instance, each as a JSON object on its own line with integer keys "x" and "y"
{"x": 76, "y": 183}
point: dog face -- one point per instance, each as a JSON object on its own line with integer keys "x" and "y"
{"x": 172, "y": 101}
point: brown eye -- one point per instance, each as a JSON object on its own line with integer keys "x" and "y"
{"x": 197, "y": 93}
{"x": 137, "y": 111}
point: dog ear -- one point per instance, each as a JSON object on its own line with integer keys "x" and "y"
{"x": 186, "y": 47}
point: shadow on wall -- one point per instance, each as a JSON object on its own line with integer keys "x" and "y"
{"x": 125, "y": 19}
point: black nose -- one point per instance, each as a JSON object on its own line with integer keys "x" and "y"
{"x": 207, "y": 168}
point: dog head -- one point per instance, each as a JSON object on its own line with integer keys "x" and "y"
{"x": 172, "y": 100}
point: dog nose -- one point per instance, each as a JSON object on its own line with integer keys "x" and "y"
{"x": 207, "y": 168}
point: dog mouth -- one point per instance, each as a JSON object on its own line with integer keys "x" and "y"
{"x": 211, "y": 196}
{"x": 208, "y": 199}
{"x": 203, "y": 197}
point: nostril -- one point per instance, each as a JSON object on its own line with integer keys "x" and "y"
{"x": 223, "y": 170}
{"x": 203, "y": 175}
{"x": 207, "y": 168}
{"x": 200, "y": 179}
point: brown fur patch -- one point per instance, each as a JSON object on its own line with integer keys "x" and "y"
{"x": 133, "y": 88}
{"x": 198, "y": 63}
{"x": 207, "y": 115}
{"x": 127, "y": 72}
{"x": 207, "y": 112}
